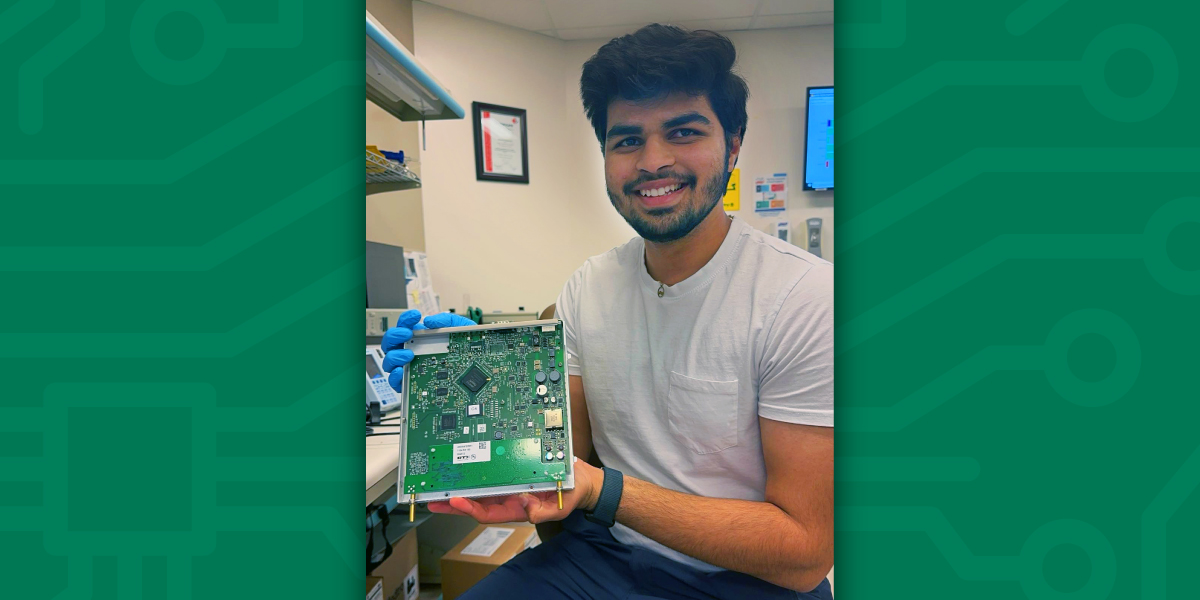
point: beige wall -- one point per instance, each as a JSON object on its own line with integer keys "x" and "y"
{"x": 500, "y": 245}
{"x": 395, "y": 217}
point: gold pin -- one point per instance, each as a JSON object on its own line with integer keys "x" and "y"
{"x": 412, "y": 508}
{"x": 560, "y": 494}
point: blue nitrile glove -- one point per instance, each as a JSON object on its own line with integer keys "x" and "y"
{"x": 395, "y": 337}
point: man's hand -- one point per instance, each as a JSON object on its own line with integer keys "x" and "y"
{"x": 408, "y": 322}
{"x": 535, "y": 507}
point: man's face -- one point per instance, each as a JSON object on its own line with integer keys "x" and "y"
{"x": 665, "y": 163}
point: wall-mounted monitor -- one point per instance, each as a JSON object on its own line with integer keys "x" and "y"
{"x": 818, "y": 144}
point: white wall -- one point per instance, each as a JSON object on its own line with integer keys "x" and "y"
{"x": 395, "y": 217}
{"x": 502, "y": 245}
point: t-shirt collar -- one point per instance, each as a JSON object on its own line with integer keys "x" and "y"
{"x": 737, "y": 228}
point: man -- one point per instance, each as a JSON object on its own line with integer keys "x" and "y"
{"x": 700, "y": 357}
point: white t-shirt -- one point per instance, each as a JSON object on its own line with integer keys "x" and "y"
{"x": 675, "y": 385}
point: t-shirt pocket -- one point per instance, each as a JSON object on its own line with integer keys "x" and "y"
{"x": 703, "y": 414}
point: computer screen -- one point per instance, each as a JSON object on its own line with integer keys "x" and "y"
{"x": 818, "y": 147}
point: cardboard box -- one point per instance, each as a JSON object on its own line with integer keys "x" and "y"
{"x": 374, "y": 588}
{"x": 487, "y": 547}
{"x": 438, "y": 534}
{"x": 399, "y": 571}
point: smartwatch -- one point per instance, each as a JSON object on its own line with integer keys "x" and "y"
{"x": 605, "y": 512}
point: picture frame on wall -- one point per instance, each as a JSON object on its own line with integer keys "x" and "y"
{"x": 501, "y": 147}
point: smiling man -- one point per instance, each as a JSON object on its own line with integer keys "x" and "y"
{"x": 700, "y": 357}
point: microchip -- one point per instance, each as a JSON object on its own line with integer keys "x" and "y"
{"x": 499, "y": 435}
{"x": 510, "y": 346}
{"x": 442, "y": 391}
{"x": 474, "y": 379}
{"x": 443, "y": 375}
{"x": 449, "y": 421}
{"x": 536, "y": 340}
{"x": 554, "y": 419}
{"x": 552, "y": 353}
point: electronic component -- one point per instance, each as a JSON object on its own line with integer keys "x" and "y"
{"x": 555, "y": 376}
{"x": 464, "y": 381}
{"x": 474, "y": 379}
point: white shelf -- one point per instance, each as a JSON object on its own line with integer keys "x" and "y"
{"x": 399, "y": 84}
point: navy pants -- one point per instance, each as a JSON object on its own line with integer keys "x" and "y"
{"x": 585, "y": 562}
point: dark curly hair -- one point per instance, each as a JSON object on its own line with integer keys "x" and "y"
{"x": 657, "y": 60}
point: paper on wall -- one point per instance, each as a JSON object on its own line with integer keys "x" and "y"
{"x": 771, "y": 193}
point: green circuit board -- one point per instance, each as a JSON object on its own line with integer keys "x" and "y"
{"x": 492, "y": 411}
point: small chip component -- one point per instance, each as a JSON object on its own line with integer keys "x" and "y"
{"x": 499, "y": 435}
{"x": 472, "y": 410}
{"x": 449, "y": 421}
{"x": 443, "y": 375}
{"x": 442, "y": 391}
{"x": 554, "y": 419}
{"x": 474, "y": 379}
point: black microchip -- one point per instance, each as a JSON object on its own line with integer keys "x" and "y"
{"x": 443, "y": 375}
{"x": 514, "y": 427}
{"x": 536, "y": 340}
{"x": 510, "y": 346}
{"x": 450, "y": 421}
{"x": 474, "y": 379}
{"x": 552, "y": 353}
{"x": 535, "y": 401}
{"x": 441, "y": 391}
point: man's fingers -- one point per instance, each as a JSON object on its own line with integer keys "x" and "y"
{"x": 408, "y": 318}
{"x": 445, "y": 509}
{"x": 394, "y": 338}
{"x": 396, "y": 379}
{"x": 447, "y": 320}
{"x": 396, "y": 358}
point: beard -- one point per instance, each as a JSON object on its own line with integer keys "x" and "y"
{"x": 670, "y": 224}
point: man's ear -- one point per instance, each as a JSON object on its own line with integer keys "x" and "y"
{"x": 735, "y": 149}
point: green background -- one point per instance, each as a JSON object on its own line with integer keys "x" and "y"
{"x": 1018, "y": 263}
{"x": 181, "y": 251}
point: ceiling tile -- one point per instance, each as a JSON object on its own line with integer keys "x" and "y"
{"x": 595, "y": 33}
{"x": 737, "y": 24}
{"x": 573, "y": 14}
{"x": 523, "y": 14}
{"x": 791, "y": 7}
{"x": 802, "y": 20}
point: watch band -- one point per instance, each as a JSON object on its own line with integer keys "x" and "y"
{"x": 605, "y": 512}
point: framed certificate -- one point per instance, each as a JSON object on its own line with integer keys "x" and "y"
{"x": 501, "y": 153}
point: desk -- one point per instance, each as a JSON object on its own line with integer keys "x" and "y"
{"x": 383, "y": 462}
